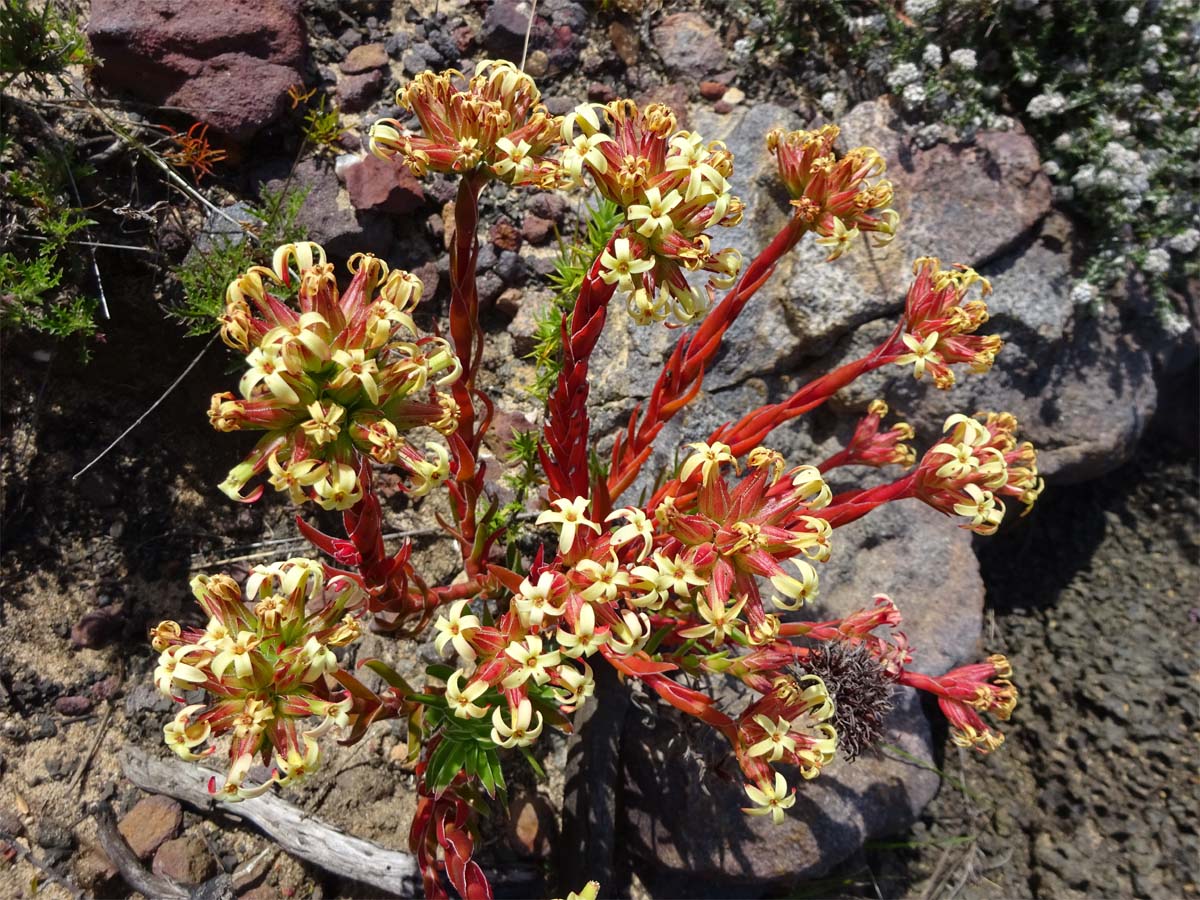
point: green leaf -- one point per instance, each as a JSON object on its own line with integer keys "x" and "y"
{"x": 534, "y": 764}
{"x": 446, "y": 761}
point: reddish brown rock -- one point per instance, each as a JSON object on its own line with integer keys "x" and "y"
{"x": 73, "y": 706}
{"x": 625, "y": 42}
{"x": 228, "y": 65}
{"x": 537, "y": 230}
{"x": 97, "y": 627}
{"x": 689, "y": 46}
{"x": 531, "y": 825}
{"x": 598, "y": 92}
{"x": 94, "y": 872}
{"x": 364, "y": 58}
{"x": 152, "y": 821}
{"x": 329, "y": 217}
{"x": 508, "y": 304}
{"x": 357, "y": 92}
{"x": 186, "y": 860}
{"x": 712, "y": 90}
{"x": 382, "y": 186}
{"x": 430, "y": 279}
{"x": 505, "y": 236}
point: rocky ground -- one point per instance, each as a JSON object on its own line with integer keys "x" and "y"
{"x": 1093, "y": 597}
{"x": 1094, "y": 794}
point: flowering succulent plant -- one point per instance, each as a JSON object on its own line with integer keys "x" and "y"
{"x": 704, "y": 577}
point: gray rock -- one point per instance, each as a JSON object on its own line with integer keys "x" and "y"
{"x": 413, "y": 62}
{"x": 1082, "y": 388}
{"x": 565, "y": 13}
{"x": 397, "y": 43}
{"x": 144, "y": 697}
{"x": 523, "y": 327}
{"x": 434, "y": 58}
{"x": 688, "y": 45}
{"x": 698, "y": 843}
{"x": 357, "y": 92}
{"x": 329, "y": 218}
{"x": 510, "y": 267}
{"x": 225, "y": 229}
{"x": 504, "y": 27}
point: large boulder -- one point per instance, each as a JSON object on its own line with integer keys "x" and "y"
{"x": 680, "y": 818}
{"x": 228, "y": 65}
{"x": 1079, "y": 381}
{"x": 967, "y": 204}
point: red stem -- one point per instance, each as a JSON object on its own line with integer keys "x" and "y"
{"x": 683, "y": 372}
{"x": 565, "y": 448}
{"x": 853, "y": 505}
{"x": 467, "y": 335}
{"x": 753, "y": 428}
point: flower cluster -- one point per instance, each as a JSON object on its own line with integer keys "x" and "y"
{"x": 939, "y": 322}
{"x": 494, "y": 120}
{"x": 790, "y": 725}
{"x": 979, "y": 462}
{"x": 967, "y": 691}
{"x": 870, "y": 446}
{"x": 689, "y": 566}
{"x": 344, "y": 376}
{"x": 264, "y": 660}
{"x": 673, "y": 188}
{"x": 832, "y": 195}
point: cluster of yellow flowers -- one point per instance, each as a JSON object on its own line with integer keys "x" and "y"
{"x": 343, "y": 376}
{"x": 831, "y": 194}
{"x": 495, "y": 119}
{"x": 693, "y": 566}
{"x": 264, "y": 661}
{"x": 980, "y": 461}
{"x": 940, "y": 321}
{"x": 673, "y": 188}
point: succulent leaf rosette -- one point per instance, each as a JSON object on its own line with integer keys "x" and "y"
{"x": 345, "y": 375}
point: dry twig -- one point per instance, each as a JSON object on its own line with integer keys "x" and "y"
{"x": 77, "y": 778}
{"x": 137, "y": 877}
{"x": 153, "y": 406}
{"x": 295, "y": 831}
